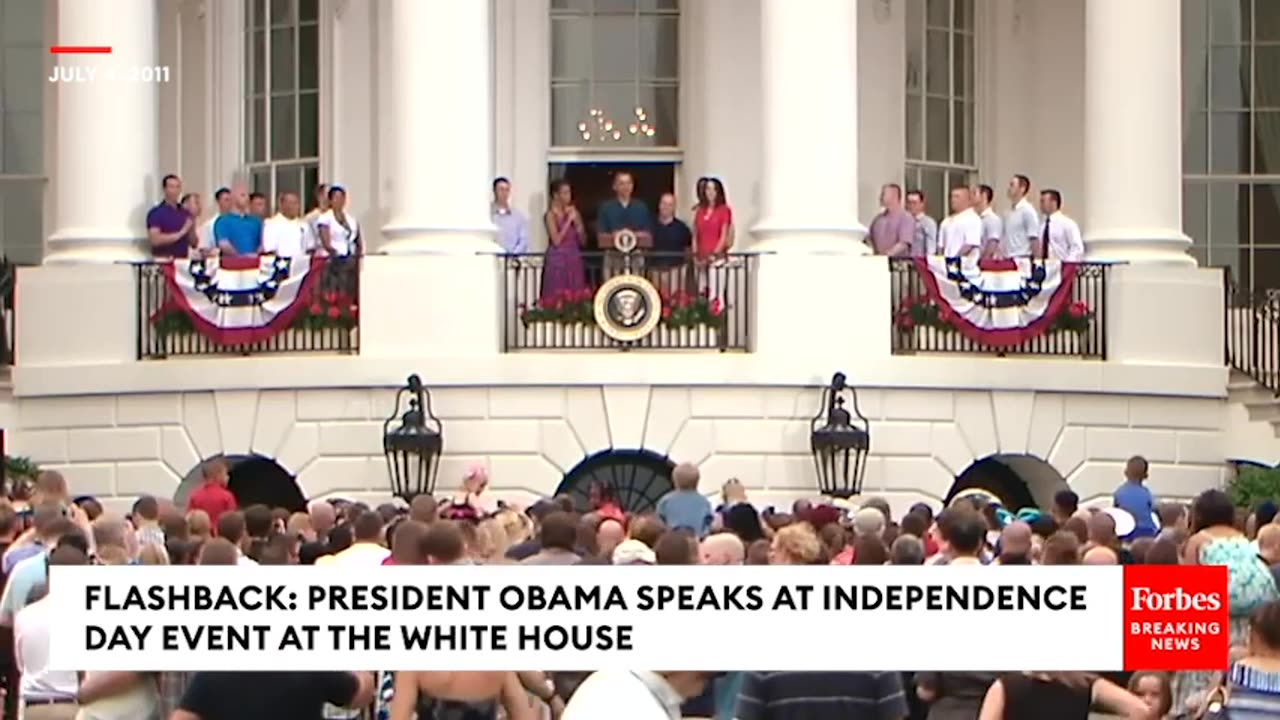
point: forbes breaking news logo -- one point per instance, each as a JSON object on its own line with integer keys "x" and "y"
{"x": 1176, "y": 617}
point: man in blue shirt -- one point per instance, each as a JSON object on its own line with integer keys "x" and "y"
{"x": 623, "y": 212}
{"x": 1134, "y": 498}
{"x": 238, "y": 232}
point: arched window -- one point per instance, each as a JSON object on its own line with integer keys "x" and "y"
{"x": 638, "y": 478}
{"x": 282, "y": 103}
{"x": 1231, "y": 136}
{"x": 615, "y": 77}
{"x": 254, "y": 480}
{"x": 23, "y": 51}
{"x": 940, "y": 98}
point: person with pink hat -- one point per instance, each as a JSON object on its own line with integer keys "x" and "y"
{"x": 474, "y": 482}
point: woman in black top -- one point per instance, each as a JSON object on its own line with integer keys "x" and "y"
{"x": 1059, "y": 696}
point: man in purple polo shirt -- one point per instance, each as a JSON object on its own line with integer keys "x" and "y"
{"x": 893, "y": 230}
{"x": 169, "y": 225}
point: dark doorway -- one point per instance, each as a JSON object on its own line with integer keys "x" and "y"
{"x": 996, "y": 478}
{"x": 639, "y": 478}
{"x": 593, "y": 184}
{"x": 1018, "y": 480}
{"x": 261, "y": 481}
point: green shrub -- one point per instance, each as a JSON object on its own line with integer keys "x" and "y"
{"x": 1253, "y": 485}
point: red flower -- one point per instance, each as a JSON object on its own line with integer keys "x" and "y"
{"x": 907, "y": 321}
{"x": 717, "y": 308}
{"x": 585, "y": 294}
{"x": 330, "y": 297}
{"x": 666, "y": 311}
{"x": 335, "y": 312}
{"x": 1078, "y": 309}
{"x": 316, "y": 309}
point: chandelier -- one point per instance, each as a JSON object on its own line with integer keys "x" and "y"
{"x": 599, "y": 127}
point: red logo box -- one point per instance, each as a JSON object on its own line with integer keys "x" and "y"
{"x": 1175, "y": 617}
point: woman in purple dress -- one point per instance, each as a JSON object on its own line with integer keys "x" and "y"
{"x": 563, "y": 271}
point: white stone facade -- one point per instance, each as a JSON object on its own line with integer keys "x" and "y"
{"x": 120, "y": 446}
{"x": 418, "y": 176}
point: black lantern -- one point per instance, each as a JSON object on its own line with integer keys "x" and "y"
{"x": 413, "y": 446}
{"x": 840, "y": 440}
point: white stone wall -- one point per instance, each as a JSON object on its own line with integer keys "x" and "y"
{"x": 530, "y": 437}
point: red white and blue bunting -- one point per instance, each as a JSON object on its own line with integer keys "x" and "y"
{"x": 242, "y": 300}
{"x": 998, "y": 303}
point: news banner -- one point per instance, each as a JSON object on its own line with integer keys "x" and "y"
{"x": 663, "y": 617}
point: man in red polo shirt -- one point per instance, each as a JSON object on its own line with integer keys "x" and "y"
{"x": 213, "y": 497}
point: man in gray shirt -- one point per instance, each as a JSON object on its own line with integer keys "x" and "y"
{"x": 1021, "y": 224}
{"x": 925, "y": 240}
{"x": 893, "y": 231}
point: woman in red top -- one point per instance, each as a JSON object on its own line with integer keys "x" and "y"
{"x": 604, "y": 502}
{"x": 712, "y": 222}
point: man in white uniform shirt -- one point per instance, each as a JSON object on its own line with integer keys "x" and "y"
{"x": 1060, "y": 232}
{"x": 992, "y": 227}
{"x": 961, "y": 233}
{"x": 287, "y": 234}
{"x": 1021, "y": 224}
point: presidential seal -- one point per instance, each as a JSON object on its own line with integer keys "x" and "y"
{"x": 625, "y": 241}
{"x": 628, "y": 308}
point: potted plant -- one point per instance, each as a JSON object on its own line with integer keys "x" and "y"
{"x": 332, "y": 310}
{"x": 329, "y": 310}
{"x": 565, "y": 315}
{"x": 1076, "y": 317}
{"x": 920, "y": 316}
{"x": 693, "y": 320}
{"x": 171, "y": 322}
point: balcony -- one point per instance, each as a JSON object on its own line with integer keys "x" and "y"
{"x": 183, "y": 313}
{"x": 1252, "y": 328}
{"x": 702, "y": 307}
{"x": 1075, "y": 327}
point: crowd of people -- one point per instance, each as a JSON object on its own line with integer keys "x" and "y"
{"x": 972, "y": 228}
{"x": 242, "y": 223}
{"x": 53, "y": 527}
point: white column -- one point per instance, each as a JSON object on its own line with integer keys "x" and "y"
{"x": 441, "y": 106}
{"x": 107, "y": 172}
{"x": 1133, "y": 132}
{"x": 809, "y": 97}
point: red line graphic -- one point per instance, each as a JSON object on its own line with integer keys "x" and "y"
{"x": 80, "y": 50}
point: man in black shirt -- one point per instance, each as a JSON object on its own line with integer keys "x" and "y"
{"x": 672, "y": 241}
{"x": 271, "y": 696}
